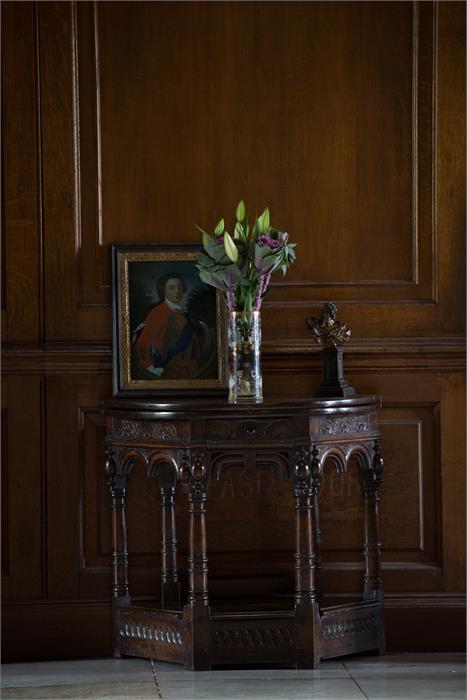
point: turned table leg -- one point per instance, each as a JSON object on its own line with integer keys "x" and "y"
{"x": 307, "y": 621}
{"x": 371, "y": 479}
{"x": 170, "y": 586}
{"x": 373, "y": 579}
{"x": 197, "y": 612}
{"x": 316, "y": 486}
{"x": 118, "y": 484}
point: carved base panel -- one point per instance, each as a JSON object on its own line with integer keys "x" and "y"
{"x": 242, "y": 638}
{"x": 151, "y": 634}
{"x": 351, "y": 629}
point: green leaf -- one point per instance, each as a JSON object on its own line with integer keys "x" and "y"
{"x": 240, "y": 213}
{"x": 214, "y": 280}
{"x": 230, "y": 247}
{"x": 207, "y": 240}
{"x": 232, "y": 275}
{"x": 219, "y": 228}
{"x": 217, "y": 252}
{"x": 263, "y": 221}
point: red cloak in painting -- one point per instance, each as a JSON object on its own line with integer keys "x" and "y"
{"x": 172, "y": 340}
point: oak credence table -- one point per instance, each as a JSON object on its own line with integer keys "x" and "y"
{"x": 190, "y": 442}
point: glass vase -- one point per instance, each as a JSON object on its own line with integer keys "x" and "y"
{"x": 244, "y": 337}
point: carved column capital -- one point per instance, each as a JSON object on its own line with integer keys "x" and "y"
{"x": 301, "y": 472}
{"x": 116, "y": 481}
{"x": 194, "y": 473}
{"x": 306, "y": 474}
{"x": 372, "y": 474}
{"x": 378, "y": 462}
{"x": 110, "y": 466}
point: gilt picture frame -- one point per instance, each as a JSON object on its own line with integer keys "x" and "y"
{"x": 169, "y": 328}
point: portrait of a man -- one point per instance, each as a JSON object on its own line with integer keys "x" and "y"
{"x": 176, "y": 339}
{"x": 168, "y": 332}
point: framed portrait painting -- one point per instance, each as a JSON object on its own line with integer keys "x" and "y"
{"x": 168, "y": 326}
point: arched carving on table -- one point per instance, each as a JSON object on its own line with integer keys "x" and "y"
{"x": 127, "y": 459}
{"x": 155, "y": 460}
{"x": 278, "y": 462}
{"x": 341, "y": 455}
{"x": 363, "y": 454}
{"x": 335, "y": 454}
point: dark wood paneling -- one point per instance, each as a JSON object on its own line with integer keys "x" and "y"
{"x": 348, "y": 119}
{"x": 72, "y": 398}
{"x": 22, "y": 521}
{"x": 5, "y": 555}
{"x": 369, "y": 129}
{"x": 60, "y": 166}
{"x": 20, "y": 203}
{"x": 56, "y": 630}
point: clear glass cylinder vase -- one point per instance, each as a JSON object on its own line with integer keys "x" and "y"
{"x": 244, "y": 338}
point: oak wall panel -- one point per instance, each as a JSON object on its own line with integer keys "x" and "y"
{"x": 21, "y": 254}
{"x": 73, "y": 398}
{"x": 373, "y": 130}
{"x": 23, "y": 524}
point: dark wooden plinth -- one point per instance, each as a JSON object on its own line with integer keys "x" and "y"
{"x": 189, "y": 443}
{"x": 249, "y": 637}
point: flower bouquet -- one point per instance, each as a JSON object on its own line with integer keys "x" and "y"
{"x": 240, "y": 265}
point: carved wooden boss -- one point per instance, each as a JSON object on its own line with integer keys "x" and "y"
{"x": 191, "y": 442}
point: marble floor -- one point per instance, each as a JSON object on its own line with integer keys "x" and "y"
{"x": 391, "y": 677}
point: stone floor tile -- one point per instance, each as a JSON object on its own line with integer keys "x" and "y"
{"x": 84, "y": 691}
{"x": 327, "y": 669}
{"x": 86, "y": 670}
{"x": 415, "y": 664}
{"x": 434, "y": 687}
{"x": 247, "y": 689}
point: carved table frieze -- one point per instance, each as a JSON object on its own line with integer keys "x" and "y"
{"x": 250, "y": 430}
{"x": 337, "y": 425}
{"x": 126, "y": 429}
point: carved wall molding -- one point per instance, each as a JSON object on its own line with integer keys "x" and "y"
{"x": 363, "y": 354}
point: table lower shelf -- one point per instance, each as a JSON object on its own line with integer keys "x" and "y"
{"x": 249, "y": 636}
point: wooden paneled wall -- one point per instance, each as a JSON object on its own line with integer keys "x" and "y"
{"x": 127, "y": 122}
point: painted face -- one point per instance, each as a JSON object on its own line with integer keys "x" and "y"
{"x": 173, "y": 290}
